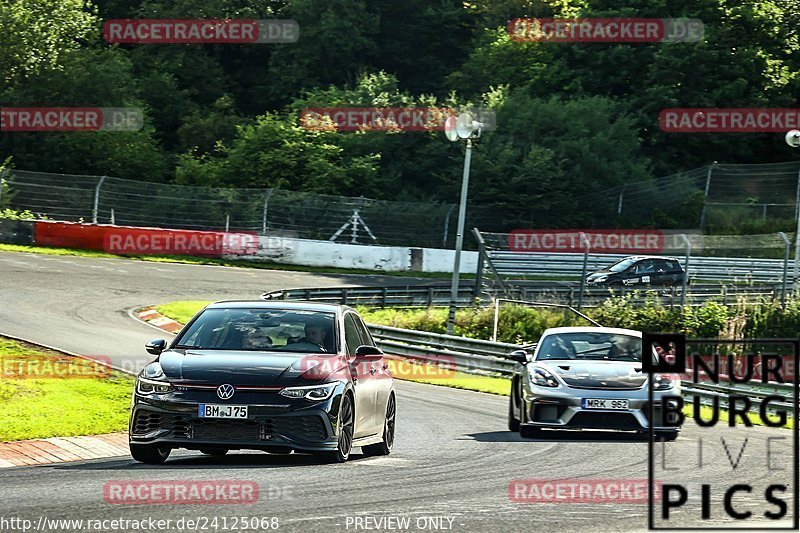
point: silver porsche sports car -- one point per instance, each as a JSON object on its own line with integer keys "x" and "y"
{"x": 587, "y": 378}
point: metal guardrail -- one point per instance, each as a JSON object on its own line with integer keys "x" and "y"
{"x": 508, "y": 263}
{"x": 399, "y": 296}
{"x": 552, "y": 292}
{"x": 475, "y": 356}
{"x": 467, "y": 355}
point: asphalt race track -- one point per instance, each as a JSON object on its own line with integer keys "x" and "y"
{"x": 453, "y": 458}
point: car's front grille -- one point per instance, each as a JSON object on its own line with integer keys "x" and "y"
{"x": 605, "y": 420}
{"x": 304, "y": 427}
{"x": 148, "y": 421}
{"x": 310, "y": 428}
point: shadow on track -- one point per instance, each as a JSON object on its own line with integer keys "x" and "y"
{"x": 190, "y": 461}
{"x": 560, "y": 436}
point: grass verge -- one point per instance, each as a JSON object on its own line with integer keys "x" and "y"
{"x": 48, "y": 394}
{"x": 193, "y": 260}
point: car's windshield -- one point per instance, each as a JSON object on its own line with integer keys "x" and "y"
{"x": 621, "y": 265}
{"x": 261, "y": 330}
{"x": 591, "y": 346}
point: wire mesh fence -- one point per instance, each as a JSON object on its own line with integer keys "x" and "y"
{"x": 718, "y": 198}
{"x": 715, "y": 198}
{"x": 108, "y": 200}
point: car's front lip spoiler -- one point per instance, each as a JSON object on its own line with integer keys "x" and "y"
{"x": 193, "y": 444}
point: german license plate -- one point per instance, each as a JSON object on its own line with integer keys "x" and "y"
{"x": 209, "y": 410}
{"x": 605, "y": 403}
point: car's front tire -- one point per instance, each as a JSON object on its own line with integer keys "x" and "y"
{"x": 513, "y": 421}
{"x": 151, "y": 454}
{"x": 346, "y": 426}
{"x": 384, "y": 447}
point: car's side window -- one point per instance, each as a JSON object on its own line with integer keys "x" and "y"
{"x": 351, "y": 337}
{"x": 645, "y": 267}
{"x": 366, "y": 337}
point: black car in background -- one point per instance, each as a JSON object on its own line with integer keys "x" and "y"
{"x": 639, "y": 271}
{"x": 271, "y": 376}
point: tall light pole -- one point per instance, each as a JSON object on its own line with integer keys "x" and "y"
{"x": 462, "y": 127}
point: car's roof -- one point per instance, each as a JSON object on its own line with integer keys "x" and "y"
{"x": 592, "y": 329}
{"x": 640, "y": 257}
{"x": 279, "y": 304}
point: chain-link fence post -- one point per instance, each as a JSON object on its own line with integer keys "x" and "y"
{"x": 97, "y": 199}
{"x": 585, "y": 242}
{"x": 447, "y": 225}
{"x": 3, "y": 172}
{"x": 479, "y": 270}
{"x": 705, "y": 197}
{"x": 796, "y": 270}
{"x": 688, "y": 244}
{"x": 788, "y": 245}
{"x": 264, "y": 214}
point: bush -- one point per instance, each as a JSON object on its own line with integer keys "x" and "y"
{"x": 11, "y": 214}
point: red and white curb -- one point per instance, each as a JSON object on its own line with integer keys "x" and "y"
{"x": 156, "y": 319}
{"x": 62, "y": 449}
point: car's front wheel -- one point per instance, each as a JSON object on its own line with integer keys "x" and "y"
{"x": 150, "y": 454}
{"x": 384, "y": 447}
{"x": 346, "y": 423}
{"x": 513, "y": 421}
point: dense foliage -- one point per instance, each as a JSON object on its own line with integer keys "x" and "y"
{"x": 572, "y": 118}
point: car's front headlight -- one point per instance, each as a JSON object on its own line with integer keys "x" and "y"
{"x": 601, "y": 279}
{"x": 543, "y": 378}
{"x": 312, "y": 392}
{"x": 151, "y": 380}
{"x": 662, "y": 382}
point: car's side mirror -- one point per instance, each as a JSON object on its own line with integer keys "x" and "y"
{"x": 156, "y": 346}
{"x": 368, "y": 351}
{"x": 520, "y": 356}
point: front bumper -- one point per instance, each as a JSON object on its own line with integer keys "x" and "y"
{"x": 561, "y": 408}
{"x": 284, "y": 423}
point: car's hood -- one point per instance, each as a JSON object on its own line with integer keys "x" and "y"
{"x": 598, "y": 374}
{"x": 215, "y": 367}
{"x": 599, "y": 273}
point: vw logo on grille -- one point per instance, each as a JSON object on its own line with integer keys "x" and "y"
{"x": 225, "y": 392}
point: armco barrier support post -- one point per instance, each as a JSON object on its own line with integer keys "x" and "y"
{"x": 688, "y": 244}
{"x": 97, "y": 199}
{"x": 788, "y": 244}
